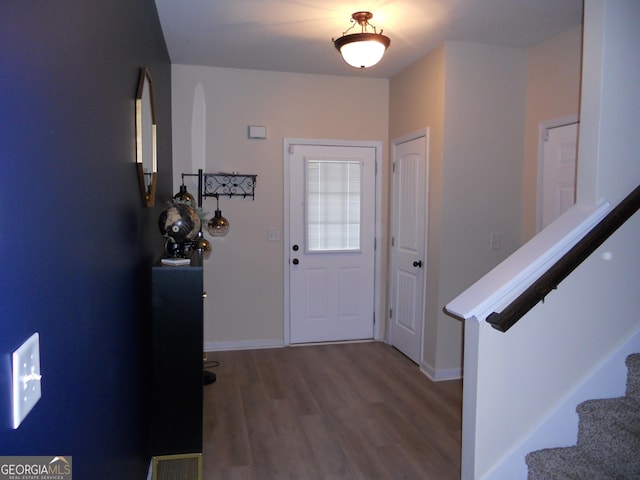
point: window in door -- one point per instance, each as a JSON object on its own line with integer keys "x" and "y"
{"x": 333, "y": 220}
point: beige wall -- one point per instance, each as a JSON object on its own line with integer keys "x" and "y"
{"x": 212, "y": 108}
{"x": 553, "y": 91}
{"x": 472, "y": 98}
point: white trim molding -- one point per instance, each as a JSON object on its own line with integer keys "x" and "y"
{"x": 442, "y": 374}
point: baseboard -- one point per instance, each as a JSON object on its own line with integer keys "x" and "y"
{"x": 260, "y": 344}
{"x": 242, "y": 345}
{"x": 440, "y": 375}
{"x": 337, "y": 342}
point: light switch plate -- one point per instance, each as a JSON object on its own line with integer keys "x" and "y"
{"x": 26, "y": 378}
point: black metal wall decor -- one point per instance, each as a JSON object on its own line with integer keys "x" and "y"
{"x": 230, "y": 184}
{"x": 224, "y": 184}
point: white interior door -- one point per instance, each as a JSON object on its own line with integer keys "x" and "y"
{"x": 331, "y": 243}
{"x": 558, "y": 189}
{"x": 408, "y": 246}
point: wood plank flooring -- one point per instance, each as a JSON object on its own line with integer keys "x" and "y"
{"x": 346, "y": 411}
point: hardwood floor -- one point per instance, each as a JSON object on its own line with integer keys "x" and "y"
{"x": 347, "y": 411}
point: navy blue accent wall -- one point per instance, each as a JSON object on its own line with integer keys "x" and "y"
{"x": 75, "y": 242}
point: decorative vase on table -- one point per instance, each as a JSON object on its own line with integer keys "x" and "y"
{"x": 178, "y": 224}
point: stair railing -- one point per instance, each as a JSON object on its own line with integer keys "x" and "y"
{"x": 550, "y": 280}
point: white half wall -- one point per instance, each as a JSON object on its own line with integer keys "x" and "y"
{"x": 526, "y": 375}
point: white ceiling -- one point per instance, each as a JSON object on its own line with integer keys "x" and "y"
{"x": 295, "y": 35}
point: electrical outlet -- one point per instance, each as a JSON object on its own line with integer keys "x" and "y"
{"x": 26, "y": 378}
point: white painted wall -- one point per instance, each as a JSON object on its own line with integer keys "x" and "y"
{"x": 212, "y": 108}
{"x": 524, "y": 376}
{"x": 610, "y": 142}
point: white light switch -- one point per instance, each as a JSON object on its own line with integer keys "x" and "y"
{"x": 26, "y": 378}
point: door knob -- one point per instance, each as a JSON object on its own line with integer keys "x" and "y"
{"x": 295, "y": 248}
{"x": 295, "y": 261}
{"x": 418, "y": 263}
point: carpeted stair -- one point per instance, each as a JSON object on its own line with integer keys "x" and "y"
{"x": 608, "y": 439}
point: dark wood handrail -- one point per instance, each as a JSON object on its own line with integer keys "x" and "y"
{"x": 550, "y": 280}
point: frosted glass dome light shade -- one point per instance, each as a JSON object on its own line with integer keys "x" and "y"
{"x": 365, "y": 49}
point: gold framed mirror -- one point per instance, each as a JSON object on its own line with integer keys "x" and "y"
{"x": 146, "y": 142}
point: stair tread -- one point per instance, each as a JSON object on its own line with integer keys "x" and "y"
{"x": 564, "y": 463}
{"x": 633, "y": 376}
{"x": 609, "y": 433}
{"x": 608, "y": 444}
{"x": 633, "y": 360}
{"x": 619, "y": 411}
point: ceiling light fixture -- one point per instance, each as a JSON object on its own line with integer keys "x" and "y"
{"x": 364, "y": 49}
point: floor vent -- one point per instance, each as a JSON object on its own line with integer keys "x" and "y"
{"x": 177, "y": 467}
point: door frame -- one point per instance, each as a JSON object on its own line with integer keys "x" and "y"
{"x": 543, "y": 129}
{"x": 377, "y": 293}
{"x": 394, "y": 143}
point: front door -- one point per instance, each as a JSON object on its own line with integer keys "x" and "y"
{"x": 331, "y": 242}
{"x": 408, "y": 241}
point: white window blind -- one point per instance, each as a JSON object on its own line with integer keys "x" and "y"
{"x": 333, "y": 205}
